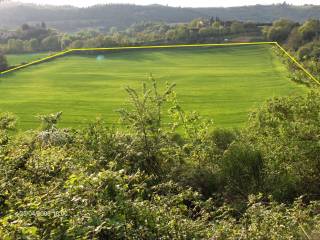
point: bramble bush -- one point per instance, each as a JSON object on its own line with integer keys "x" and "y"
{"x": 178, "y": 178}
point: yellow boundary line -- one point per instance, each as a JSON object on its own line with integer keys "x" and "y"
{"x": 37, "y": 61}
{"x": 164, "y": 46}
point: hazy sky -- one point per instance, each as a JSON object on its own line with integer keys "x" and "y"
{"x": 182, "y": 3}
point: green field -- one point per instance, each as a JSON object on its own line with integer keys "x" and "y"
{"x": 223, "y": 83}
{"x": 17, "y": 59}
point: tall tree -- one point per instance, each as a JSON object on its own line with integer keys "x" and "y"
{"x": 280, "y": 30}
{"x": 310, "y": 29}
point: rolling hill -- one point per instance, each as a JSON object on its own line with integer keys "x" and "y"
{"x": 69, "y": 18}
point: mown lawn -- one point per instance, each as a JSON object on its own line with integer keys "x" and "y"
{"x": 18, "y": 59}
{"x": 223, "y": 83}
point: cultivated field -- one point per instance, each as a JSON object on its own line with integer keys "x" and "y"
{"x": 222, "y": 83}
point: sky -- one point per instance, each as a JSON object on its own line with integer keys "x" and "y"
{"x": 175, "y": 3}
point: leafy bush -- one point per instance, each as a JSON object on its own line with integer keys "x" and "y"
{"x": 271, "y": 220}
{"x": 286, "y": 131}
{"x": 242, "y": 168}
{"x": 223, "y": 138}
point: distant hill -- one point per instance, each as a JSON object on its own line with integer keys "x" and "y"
{"x": 67, "y": 18}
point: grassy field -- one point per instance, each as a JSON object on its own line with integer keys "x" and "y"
{"x": 17, "y": 59}
{"x": 222, "y": 83}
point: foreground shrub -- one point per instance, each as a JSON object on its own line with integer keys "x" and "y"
{"x": 63, "y": 192}
{"x": 242, "y": 170}
{"x": 270, "y": 220}
{"x": 55, "y": 192}
{"x": 287, "y": 132}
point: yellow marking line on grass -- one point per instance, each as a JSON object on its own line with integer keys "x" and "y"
{"x": 174, "y": 46}
{"x": 37, "y": 61}
{"x": 164, "y": 46}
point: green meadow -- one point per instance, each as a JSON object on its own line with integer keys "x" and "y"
{"x": 222, "y": 83}
{"x": 18, "y": 59}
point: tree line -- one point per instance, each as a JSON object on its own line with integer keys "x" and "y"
{"x": 302, "y": 40}
{"x": 40, "y": 38}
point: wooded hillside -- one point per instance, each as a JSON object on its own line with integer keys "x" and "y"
{"x": 69, "y": 18}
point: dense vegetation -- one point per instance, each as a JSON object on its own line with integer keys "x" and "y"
{"x": 184, "y": 179}
{"x": 213, "y": 80}
{"x": 106, "y": 16}
{"x": 35, "y": 38}
{"x": 30, "y": 38}
{"x": 3, "y": 62}
{"x": 302, "y": 40}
